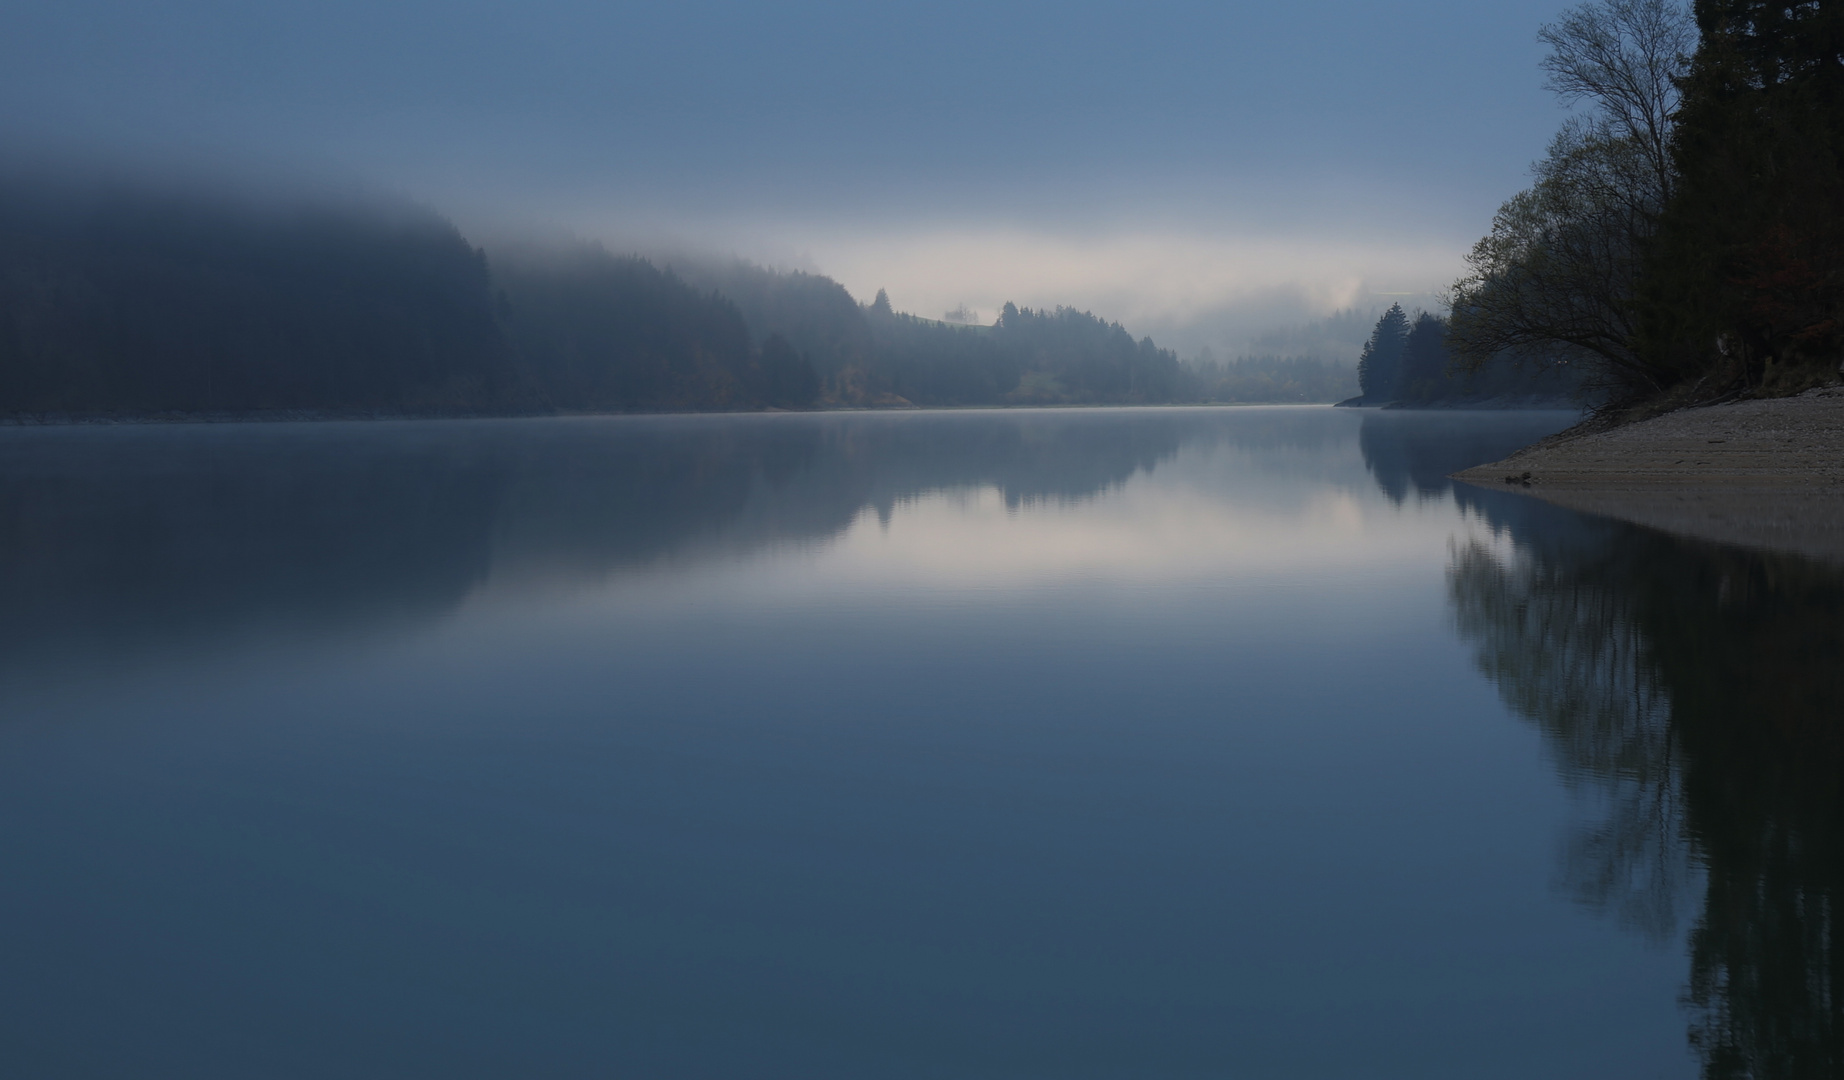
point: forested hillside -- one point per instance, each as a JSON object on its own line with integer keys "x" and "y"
{"x": 132, "y": 302}
{"x": 1028, "y": 357}
{"x": 871, "y": 354}
{"x": 593, "y": 331}
{"x": 811, "y": 312}
{"x": 127, "y": 302}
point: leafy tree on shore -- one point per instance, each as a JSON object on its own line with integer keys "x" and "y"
{"x": 1685, "y": 240}
{"x": 1558, "y": 275}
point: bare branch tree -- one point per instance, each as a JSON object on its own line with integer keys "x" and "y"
{"x": 1625, "y": 56}
{"x": 1556, "y": 276}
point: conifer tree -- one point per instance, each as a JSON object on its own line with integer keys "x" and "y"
{"x": 1424, "y": 360}
{"x": 1379, "y": 369}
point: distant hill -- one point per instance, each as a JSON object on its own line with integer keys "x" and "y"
{"x": 130, "y": 301}
{"x": 117, "y": 301}
{"x": 122, "y": 301}
{"x": 812, "y": 312}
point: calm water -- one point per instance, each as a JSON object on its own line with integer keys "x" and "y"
{"x": 1128, "y": 743}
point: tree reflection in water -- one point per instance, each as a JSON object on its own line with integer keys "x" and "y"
{"x": 1702, "y": 690}
{"x": 1570, "y": 658}
{"x": 1698, "y": 691}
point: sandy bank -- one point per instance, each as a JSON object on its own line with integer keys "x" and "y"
{"x": 1766, "y": 474}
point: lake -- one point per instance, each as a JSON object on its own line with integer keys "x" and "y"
{"x": 1071, "y": 743}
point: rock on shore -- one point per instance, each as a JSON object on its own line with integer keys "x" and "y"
{"x": 1766, "y": 474}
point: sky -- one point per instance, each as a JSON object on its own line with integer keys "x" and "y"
{"x": 1198, "y": 171}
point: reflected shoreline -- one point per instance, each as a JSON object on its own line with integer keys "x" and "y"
{"x": 1694, "y": 690}
{"x": 1690, "y": 693}
{"x": 1698, "y": 690}
{"x": 116, "y": 538}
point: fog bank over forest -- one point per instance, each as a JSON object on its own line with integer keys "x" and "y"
{"x": 1238, "y": 183}
{"x": 1174, "y": 281}
{"x": 1214, "y": 299}
{"x": 143, "y": 296}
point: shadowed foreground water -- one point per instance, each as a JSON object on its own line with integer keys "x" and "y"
{"x": 1152, "y": 743}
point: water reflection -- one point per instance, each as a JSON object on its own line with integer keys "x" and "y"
{"x": 1701, "y": 690}
{"x": 129, "y": 536}
{"x": 1414, "y": 453}
{"x": 1697, "y": 692}
{"x": 135, "y": 538}
{"x": 1128, "y": 743}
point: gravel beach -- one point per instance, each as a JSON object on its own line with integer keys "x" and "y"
{"x": 1765, "y": 473}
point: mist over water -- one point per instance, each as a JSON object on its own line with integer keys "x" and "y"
{"x": 1078, "y": 743}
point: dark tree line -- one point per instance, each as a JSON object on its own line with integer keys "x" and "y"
{"x": 870, "y": 354}
{"x": 1745, "y": 279}
{"x": 1048, "y": 356}
{"x": 933, "y": 363}
{"x": 592, "y": 331}
{"x": 131, "y": 303}
{"x": 1411, "y": 362}
{"x": 125, "y": 302}
{"x": 814, "y": 314}
{"x": 1684, "y": 239}
{"x": 134, "y": 302}
{"x": 128, "y": 302}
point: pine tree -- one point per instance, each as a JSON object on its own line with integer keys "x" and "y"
{"x": 1379, "y": 369}
{"x": 1424, "y": 360}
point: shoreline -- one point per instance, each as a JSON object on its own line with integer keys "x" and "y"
{"x": 1764, "y": 473}
{"x": 301, "y": 416}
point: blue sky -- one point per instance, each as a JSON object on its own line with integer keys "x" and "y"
{"x": 1190, "y": 168}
